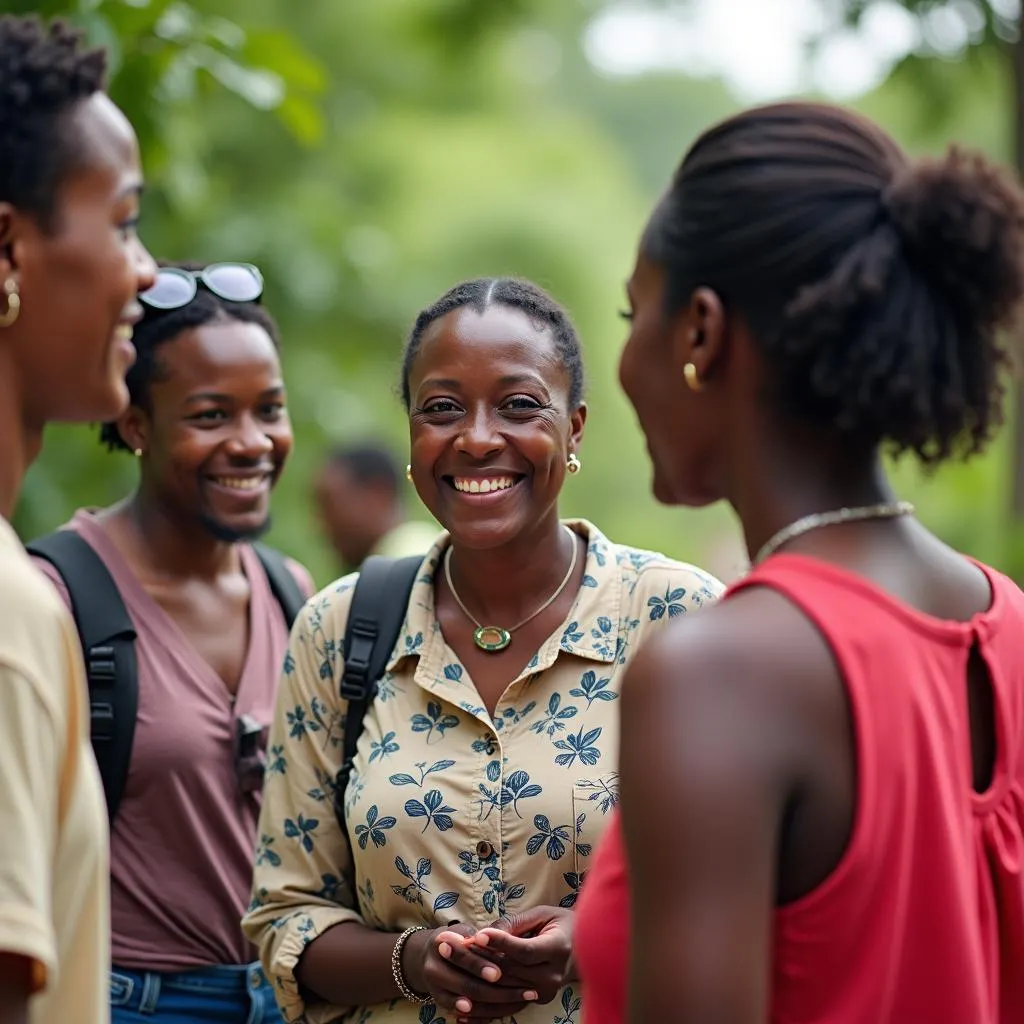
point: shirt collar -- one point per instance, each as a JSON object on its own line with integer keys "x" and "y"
{"x": 591, "y": 630}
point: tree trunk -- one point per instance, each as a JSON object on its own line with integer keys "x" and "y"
{"x": 1017, "y": 63}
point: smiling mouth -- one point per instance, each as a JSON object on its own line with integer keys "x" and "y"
{"x": 483, "y": 485}
{"x": 242, "y": 483}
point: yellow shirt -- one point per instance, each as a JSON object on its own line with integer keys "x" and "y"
{"x": 452, "y": 814}
{"x": 53, "y": 825}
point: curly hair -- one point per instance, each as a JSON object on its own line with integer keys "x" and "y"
{"x": 879, "y": 289}
{"x": 514, "y": 293}
{"x": 158, "y": 326}
{"x": 44, "y": 72}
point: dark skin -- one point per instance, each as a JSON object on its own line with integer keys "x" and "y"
{"x": 490, "y": 400}
{"x": 356, "y": 514}
{"x": 65, "y": 356}
{"x": 739, "y": 721}
{"x": 215, "y": 416}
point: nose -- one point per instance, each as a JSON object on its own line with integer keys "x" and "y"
{"x": 478, "y": 437}
{"x": 145, "y": 267}
{"x": 250, "y": 441}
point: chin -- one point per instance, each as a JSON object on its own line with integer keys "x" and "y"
{"x": 235, "y": 531}
{"x": 483, "y": 535}
{"x": 101, "y": 405}
{"x": 681, "y": 493}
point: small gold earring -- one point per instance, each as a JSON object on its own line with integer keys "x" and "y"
{"x": 13, "y": 303}
{"x": 692, "y": 378}
{"x": 573, "y": 464}
{"x": 408, "y": 473}
{"x": 137, "y": 453}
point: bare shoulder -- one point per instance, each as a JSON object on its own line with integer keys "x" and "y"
{"x": 752, "y": 666}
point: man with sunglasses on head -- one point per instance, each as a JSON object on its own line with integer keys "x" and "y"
{"x": 184, "y": 623}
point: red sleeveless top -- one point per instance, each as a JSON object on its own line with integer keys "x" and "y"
{"x": 923, "y": 918}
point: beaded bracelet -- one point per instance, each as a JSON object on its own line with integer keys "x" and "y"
{"x": 396, "y": 965}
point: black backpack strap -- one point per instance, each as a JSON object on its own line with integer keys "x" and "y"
{"x": 108, "y": 636}
{"x": 375, "y": 619}
{"x": 283, "y": 584}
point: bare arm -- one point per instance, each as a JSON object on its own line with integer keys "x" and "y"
{"x": 710, "y": 745}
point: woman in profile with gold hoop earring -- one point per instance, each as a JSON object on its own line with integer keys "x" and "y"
{"x": 822, "y": 813}
{"x": 488, "y": 761}
{"x": 71, "y": 269}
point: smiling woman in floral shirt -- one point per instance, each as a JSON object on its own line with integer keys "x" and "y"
{"x": 488, "y": 761}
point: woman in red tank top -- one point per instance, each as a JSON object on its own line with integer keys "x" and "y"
{"x": 822, "y": 778}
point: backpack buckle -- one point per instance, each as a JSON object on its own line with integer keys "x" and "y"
{"x": 362, "y": 636}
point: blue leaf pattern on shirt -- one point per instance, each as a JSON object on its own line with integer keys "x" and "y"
{"x": 447, "y": 822}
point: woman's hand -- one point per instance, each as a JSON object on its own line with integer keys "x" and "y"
{"x": 460, "y": 978}
{"x": 534, "y": 949}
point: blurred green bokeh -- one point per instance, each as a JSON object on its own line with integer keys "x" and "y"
{"x": 369, "y": 155}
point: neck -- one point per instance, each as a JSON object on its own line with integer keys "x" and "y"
{"x": 171, "y": 546}
{"x": 502, "y": 585}
{"x": 19, "y": 443}
{"x": 781, "y": 482}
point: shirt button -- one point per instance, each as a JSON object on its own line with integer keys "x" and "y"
{"x": 484, "y": 850}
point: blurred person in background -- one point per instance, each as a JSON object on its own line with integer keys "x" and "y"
{"x": 486, "y": 764}
{"x": 822, "y": 814}
{"x": 358, "y": 494}
{"x": 71, "y": 267}
{"x": 209, "y": 612}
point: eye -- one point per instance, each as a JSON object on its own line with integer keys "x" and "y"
{"x": 209, "y": 416}
{"x": 522, "y": 403}
{"x": 439, "y": 406}
{"x": 128, "y": 229}
{"x": 626, "y": 314}
{"x": 272, "y": 410}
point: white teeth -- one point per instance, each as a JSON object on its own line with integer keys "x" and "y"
{"x": 240, "y": 483}
{"x": 475, "y": 486}
{"x": 124, "y": 332}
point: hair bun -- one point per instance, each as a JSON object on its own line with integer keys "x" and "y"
{"x": 961, "y": 220}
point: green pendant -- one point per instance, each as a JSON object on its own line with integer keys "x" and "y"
{"x": 492, "y": 638}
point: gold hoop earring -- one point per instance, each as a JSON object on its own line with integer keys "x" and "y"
{"x": 13, "y": 303}
{"x": 692, "y": 378}
{"x": 408, "y": 473}
{"x": 573, "y": 464}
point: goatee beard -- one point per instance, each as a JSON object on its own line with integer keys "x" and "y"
{"x": 229, "y": 535}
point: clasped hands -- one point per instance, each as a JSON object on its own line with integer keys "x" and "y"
{"x": 493, "y": 972}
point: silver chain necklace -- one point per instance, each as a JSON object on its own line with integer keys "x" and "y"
{"x": 496, "y": 638}
{"x": 883, "y": 510}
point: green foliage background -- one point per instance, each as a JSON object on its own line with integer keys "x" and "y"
{"x": 369, "y": 155}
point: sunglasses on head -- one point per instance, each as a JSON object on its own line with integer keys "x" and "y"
{"x": 175, "y": 287}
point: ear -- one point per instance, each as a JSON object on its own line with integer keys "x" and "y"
{"x": 577, "y": 421}
{"x": 135, "y": 428}
{"x": 699, "y": 334}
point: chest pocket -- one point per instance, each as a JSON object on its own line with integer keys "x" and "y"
{"x": 593, "y": 799}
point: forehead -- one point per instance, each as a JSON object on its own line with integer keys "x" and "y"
{"x": 107, "y": 151}
{"x": 487, "y": 345}
{"x": 227, "y": 352}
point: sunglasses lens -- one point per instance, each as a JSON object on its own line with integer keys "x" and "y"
{"x": 235, "y": 282}
{"x": 170, "y": 291}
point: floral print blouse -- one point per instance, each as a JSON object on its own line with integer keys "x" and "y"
{"x": 452, "y": 814}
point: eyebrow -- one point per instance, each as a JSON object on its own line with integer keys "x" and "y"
{"x": 441, "y": 382}
{"x": 136, "y": 188}
{"x": 521, "y": 378}
{"x": 217, "y": 396}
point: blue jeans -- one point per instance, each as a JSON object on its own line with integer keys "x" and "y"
{"x": 207, "y": 995}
